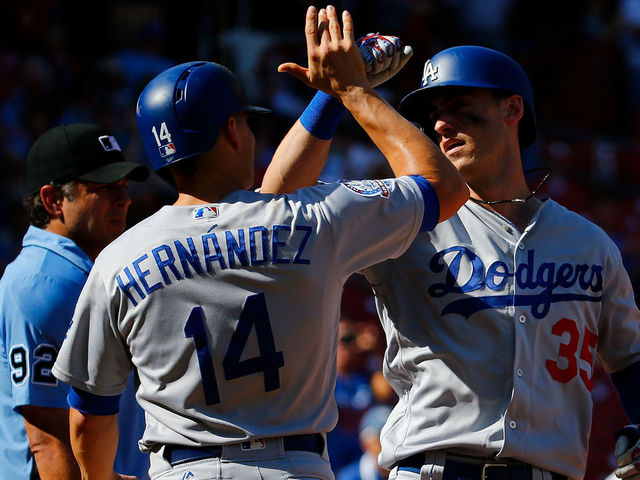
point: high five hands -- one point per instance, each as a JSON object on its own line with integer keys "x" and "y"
{"x": 335, "y": 58}
{"x": 335, "y": 63}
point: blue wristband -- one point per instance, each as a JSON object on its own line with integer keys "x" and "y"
{"x": 322, "y": 116}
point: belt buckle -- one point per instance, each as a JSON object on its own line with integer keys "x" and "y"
{"x": 483, "y": 473}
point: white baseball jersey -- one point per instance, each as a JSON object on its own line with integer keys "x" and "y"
{"x": 229, "y": 311}
{"x": 492, "y": 336}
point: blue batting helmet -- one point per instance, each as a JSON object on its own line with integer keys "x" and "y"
{"x": 180, "y": 112}
{"x": 473, "y": 66}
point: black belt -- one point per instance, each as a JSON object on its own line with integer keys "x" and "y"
{"x": 176, "y": 455}
{"x": 480, "y": 470}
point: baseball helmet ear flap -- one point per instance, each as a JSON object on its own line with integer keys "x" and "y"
{"x": 473, "y": 66}
{"x": 180, "y": 112}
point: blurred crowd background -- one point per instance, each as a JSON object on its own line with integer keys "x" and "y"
{"x": 65, "y": 61}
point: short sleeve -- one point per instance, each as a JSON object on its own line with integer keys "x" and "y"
{"x": 372, "y": 220}
{"x": 93, "y": 357}
{"x": 40, "y": 310}
{"x": 619, "y": 324}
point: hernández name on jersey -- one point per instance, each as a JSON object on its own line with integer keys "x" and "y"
{"x": 182, "y": 258}
{"x": 544, "y": 279}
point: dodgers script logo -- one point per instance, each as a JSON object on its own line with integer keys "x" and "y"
{"x": 543, "y": 278}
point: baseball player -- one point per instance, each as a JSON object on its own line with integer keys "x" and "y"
{"x": 227, "y": 303}
{"x": 495, "y": 318}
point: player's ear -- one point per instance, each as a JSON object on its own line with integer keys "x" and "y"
{"x": 513, "y": 109}
{"x": 230, "y": 131}
{"x": 52, "y": 200}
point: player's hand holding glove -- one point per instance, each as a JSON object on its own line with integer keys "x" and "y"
{"x": 383, "y": 55}
{"x": 627, "y": 452}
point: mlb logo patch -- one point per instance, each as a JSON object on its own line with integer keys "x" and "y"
{"x": 166, "y": 150}
{"x": 254, "y": 444}
{"x": 109, "y": 143}
{"x": 209, "y": 211}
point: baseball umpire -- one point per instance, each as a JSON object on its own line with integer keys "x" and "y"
{"x": 77, "y": 202}
{"x": 227, "y": 303}
{"x": 495, "y": 318}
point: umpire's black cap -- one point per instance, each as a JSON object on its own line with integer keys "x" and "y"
{"x": 79, "y": 151}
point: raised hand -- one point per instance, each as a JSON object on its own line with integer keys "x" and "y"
{"x": 335, "y": 63}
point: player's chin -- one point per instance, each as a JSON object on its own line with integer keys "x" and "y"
{"x": 457, "y": 158}
{"x": 462, "y": 163}
{"x": 249, "y": 181}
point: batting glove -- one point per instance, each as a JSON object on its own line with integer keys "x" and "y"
{"x": 627, "y": 452}
{"x": 383, "y": 55}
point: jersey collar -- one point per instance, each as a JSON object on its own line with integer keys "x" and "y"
{"x": 58, "y": 244}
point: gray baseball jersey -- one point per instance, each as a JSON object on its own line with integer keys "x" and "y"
{"x": 492, "y": 336}
{"x": 229, "y": 311}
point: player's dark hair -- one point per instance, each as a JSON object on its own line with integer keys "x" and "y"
{"x": 187, "y": 167}
{"x": 500, "y": 94}
{"x": 38, "y": 215}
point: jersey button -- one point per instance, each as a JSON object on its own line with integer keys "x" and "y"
{"x": 522, "y": 318}
{"x": 519, "y": 372}
{"x": 513, "y": 424}
{"x": 521, "y": 246}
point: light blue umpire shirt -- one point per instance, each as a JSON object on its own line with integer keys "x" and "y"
{"x": 38, "y": 293}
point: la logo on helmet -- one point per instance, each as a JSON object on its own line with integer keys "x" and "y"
{"x": 429, "y": 71}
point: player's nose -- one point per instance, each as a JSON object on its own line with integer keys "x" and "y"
{"x": 443, "y": 126}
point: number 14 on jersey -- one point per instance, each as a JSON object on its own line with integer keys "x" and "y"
{"x": 254, "y": 314}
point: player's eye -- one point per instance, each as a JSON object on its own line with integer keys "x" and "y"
{"x": 347, "y": 339}
{"x": 431, "y": 116}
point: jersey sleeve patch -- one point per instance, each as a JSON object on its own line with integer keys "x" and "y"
{"x": 369, "y": 188}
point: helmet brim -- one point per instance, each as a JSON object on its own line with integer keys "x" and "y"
{"x": 414, "y": 103}
{"x": 412, "y": 106}
{"x": 251, "y": 110}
